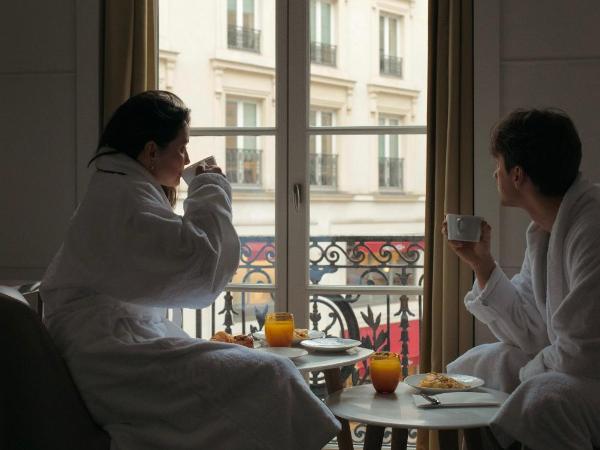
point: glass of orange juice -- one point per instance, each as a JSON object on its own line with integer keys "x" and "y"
{"x": 386, "y": 371}
{"x": 279, "y": 329}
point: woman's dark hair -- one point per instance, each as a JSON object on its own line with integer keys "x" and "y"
{"x": 545, "y": 143}
{"x": 150, "y": 116}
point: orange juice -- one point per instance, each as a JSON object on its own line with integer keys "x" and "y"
{"x": 279, "y": 329}
{"x": 386, "y": 371}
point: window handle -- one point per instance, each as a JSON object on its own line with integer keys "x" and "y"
{"x": 297, "y": 195}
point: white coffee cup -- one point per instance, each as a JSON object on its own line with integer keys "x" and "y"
{"x": 464, "y": 228}
{"x": 190, "y": 171}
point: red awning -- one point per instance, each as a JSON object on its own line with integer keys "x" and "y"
{"x": 401, "y": 246}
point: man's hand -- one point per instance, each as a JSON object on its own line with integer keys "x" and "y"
{"x": 476, "y": 254}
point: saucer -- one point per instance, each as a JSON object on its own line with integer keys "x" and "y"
{"x": 287, "y": 352}
{"x": 330, "y": 344}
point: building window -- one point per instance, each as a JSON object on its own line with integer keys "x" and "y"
{"x": 323, "y": 161}
{"x": 167, "y": 62}
{"x": 391, "y": 165}
{"x": 243, "y": 156}
{"x": 390, "y": 40}
{"x": 322, "y": 48}
{"x": 242, "y": 32}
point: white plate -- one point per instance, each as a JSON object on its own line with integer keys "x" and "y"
{"x": 330, "y": 344}
{"x": 312, "y": 334}
{"x": 471, "y": 382}
{"x": 288, "y": 352}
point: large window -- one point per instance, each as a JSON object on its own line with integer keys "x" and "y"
{"x": 390, "y": 45}
{"x": 242, "y": 30}
{"x": 322, "y": 48}
{"x": 324, "y": 146}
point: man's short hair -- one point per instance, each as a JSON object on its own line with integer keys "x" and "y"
{"x": 545, "y": 143}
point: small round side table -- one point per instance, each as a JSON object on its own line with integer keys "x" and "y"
{"x": 398, "y": 411}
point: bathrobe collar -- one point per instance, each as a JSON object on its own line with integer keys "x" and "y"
{"x": 122, "y": 164}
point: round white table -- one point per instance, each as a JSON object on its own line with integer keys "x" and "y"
{"x": 398, "y": 411}
{"x": 330, "y": 364}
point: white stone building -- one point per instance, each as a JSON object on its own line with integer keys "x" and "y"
{"x": 368, "y": 68}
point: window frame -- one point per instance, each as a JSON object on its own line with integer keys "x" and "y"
{"x": 400, "y": 40}
{"x": 323, "y": 53}
{"x": 292, "y": 130}
{"x": 239, "y": 25}
{"x": 240, "y": 117}
{"x": 319, "y": 141}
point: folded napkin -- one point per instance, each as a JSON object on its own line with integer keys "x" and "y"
{"x": 455, "y": 399}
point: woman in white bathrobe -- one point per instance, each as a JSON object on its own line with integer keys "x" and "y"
{"x": 126, "y": 257}
{"x": 546, "y": 317}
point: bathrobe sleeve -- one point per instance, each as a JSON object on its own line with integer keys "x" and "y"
{"x": 576, "y": 348}
{"x": 158, "y": 258}
{"x": 509, "y": 309}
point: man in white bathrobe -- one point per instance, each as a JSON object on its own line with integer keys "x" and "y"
{"x": 546, "y": 317}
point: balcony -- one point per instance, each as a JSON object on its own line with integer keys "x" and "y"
{"x": 321, "y": 53}
{"x": 391, "y": 173}
{"x": 243, "y": 166}
{"x": 323, "y": 170}
{"x": 242, "y": 38}
{"x": 391, "y": 65}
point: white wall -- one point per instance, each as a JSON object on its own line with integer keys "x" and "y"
{"x": 49, "y": 103}
{"x": 532, "y": 54}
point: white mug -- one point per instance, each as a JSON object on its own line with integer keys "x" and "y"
{"x": 464, "y": 228}
{"x": 190, "y": 171}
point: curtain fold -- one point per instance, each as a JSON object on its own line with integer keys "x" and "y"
{"x": 130, "y": 51}
{"x": 447, "y": 328}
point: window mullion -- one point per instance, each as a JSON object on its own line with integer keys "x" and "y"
{"x": 282, "y": 192}
{"x": 298, "y": 225}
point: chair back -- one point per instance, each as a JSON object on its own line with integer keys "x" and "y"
{"x": 40, "y": 406}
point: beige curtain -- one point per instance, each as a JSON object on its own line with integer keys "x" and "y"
{"x": 129, "y": 51}
{"x": 447, "y": 328}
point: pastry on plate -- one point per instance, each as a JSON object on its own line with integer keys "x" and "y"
{"x": 441, "y": 381}
{"x": 245, "y": 340}
{"x": 300, "y": 334}
{"x": 222, "y": 336}
{"x": 240, "y": 339}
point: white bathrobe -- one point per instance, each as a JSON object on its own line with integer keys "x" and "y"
{"x": 125, "y": 258}
{"x": 547, "y": 319}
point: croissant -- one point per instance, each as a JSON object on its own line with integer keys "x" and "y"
{"x": 240, "y": 339}
{"x": 301, "y": 333}
{"x": 222, "y": 336}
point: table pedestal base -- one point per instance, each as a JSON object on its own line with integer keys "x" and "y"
{"x": 374, "y": 438}
{"x": 333, "y": 381}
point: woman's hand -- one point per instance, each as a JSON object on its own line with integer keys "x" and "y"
{"x": 476, "y": 254}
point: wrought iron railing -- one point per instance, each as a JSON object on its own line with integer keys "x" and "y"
{"x": 243, "y": 38}
{"x": 390, "y": 65}
{"x": 243, "y": 165}
{"x": 322, "y": 53}
{"x": 381, "y": 322}
{"x": 323, "y": 169}
{"x": 390, "y": 261}
{"x": 391, "y": 172}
